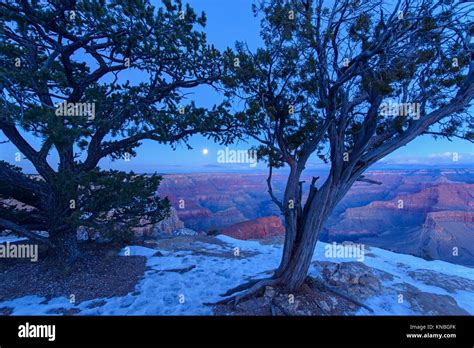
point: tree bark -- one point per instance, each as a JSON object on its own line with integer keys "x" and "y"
{"x": 66, "y": 246}
{"x": 62, "y": 231}
{"x": 291, "y": 217}
{"x": 294, "y": 266}
{"x": 293, "y": 274}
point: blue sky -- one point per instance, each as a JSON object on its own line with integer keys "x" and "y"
{"x": 230, "y": 21}
{"x": 227, "y": 22}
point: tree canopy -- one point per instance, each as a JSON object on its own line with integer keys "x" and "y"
{"x": 64, "y": 80}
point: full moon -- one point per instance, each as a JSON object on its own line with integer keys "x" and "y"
{"x": 205, "y": 151}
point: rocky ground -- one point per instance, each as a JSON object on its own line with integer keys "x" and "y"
{"x": 181, "y": 275}
{"x": 99, "y": 273}
{"x": 342, "y": 289}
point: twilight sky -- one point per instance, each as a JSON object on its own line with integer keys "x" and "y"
{"x": 227, "y": 22}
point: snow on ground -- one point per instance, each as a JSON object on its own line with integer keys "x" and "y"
{"x": 226, "y": 265}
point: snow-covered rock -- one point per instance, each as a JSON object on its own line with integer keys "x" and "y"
{"x": 389, "y": 283}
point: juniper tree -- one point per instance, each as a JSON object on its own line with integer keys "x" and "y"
{"x": 347, "y": 82}
{"x": 63, "y": 81}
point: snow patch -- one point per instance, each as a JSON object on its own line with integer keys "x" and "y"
{"x": 161, "y": 292}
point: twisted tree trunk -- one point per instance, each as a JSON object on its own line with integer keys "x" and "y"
{"x": 302, "y": 231}
{"x": 295, "y": 264}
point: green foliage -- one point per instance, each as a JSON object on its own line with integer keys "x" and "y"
{"x": 116, "y": 203}
{"x": 80, "y": 52}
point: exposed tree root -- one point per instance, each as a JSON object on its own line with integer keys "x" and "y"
{"x": 248, "y": 290}
{"x": 256, "y": 287}
{"x": 241, "y": 287}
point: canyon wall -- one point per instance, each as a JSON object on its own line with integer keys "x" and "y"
{"x": 426, "y": 213}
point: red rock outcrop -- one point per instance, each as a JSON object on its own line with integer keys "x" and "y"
{"x": 255, "y": 229}
{"x": 206, "y": 202}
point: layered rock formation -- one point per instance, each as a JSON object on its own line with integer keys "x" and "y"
{"x": 256, "y": 229}
{"x": 368, "y": 213}
{"x": 207, "y": 202}
{"x": 449, "y": 236}
{"x": 435, "y": 222}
